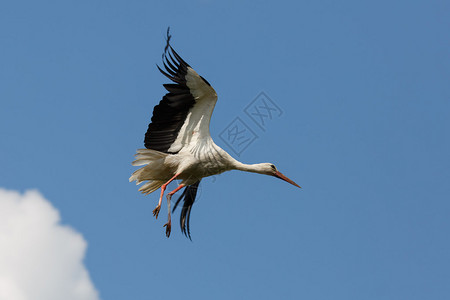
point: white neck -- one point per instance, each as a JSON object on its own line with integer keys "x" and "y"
{"x": 254, "y": 168}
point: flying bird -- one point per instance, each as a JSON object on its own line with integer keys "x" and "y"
{"x": 178, "y": 143}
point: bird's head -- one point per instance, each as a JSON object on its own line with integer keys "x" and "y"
{"x": 270, "y": 169}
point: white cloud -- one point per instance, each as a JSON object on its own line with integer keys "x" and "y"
{"x": 40, "y": 259}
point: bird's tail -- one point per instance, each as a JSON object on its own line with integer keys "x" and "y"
{"x": 146, "y": 157}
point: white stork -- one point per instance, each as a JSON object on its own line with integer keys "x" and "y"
{"x": 178, "y": 143}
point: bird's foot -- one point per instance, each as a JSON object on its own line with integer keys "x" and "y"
{"x": 156, "y": 211}
{"x": 168, "y": 226}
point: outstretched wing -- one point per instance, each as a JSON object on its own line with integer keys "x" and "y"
{"x": 188, "y": 196}
{"x": 182, "y": 116}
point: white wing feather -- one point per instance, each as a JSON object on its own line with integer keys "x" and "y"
{"x": 196, "y": 125}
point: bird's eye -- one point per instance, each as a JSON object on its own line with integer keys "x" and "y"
{"x": 273, "y": 167}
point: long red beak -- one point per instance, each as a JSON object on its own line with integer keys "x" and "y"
{"x": 281, "y": 176}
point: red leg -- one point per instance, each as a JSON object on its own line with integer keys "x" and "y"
{"x": 163, "y": 188}
{"x": 168, "y": 225}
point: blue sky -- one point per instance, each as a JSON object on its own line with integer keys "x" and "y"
{"x": 364, "y": 90}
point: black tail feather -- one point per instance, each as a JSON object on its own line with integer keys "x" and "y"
{"x": 188, "y": 195}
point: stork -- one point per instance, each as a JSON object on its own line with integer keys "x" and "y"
{"x": 178, "y": 143}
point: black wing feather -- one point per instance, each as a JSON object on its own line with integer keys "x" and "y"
{"x": 188, "y": 196}
{"x": 169, "y": 115}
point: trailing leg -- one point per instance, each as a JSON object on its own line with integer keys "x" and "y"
{"x": 163, "y": 188}
{"x": 168, "y": 225}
